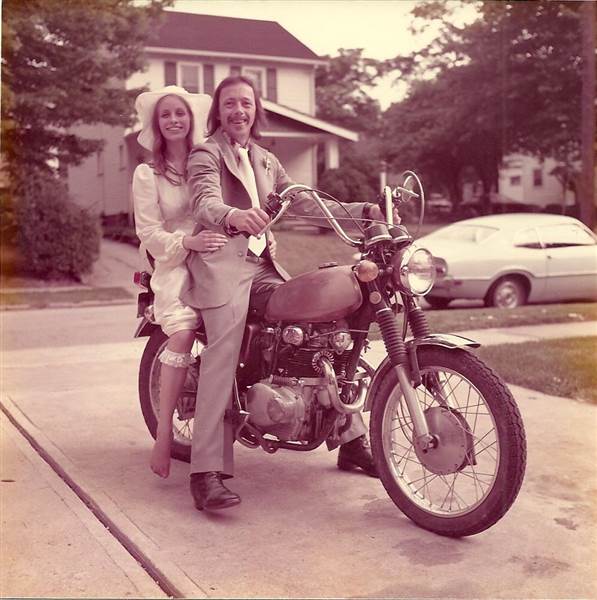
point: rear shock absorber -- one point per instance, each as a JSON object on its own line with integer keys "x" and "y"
{"x": 392, "y": 338}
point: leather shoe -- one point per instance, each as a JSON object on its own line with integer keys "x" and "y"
{"x": 356, "y": 454}
{"x": 210, "y": 493}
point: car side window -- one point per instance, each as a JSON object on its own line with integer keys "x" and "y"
{"x": 527, "y": 238}
{"x": 564, "y": 235}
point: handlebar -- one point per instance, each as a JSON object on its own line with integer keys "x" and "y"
{"x": 298, "y": 187}
{"x": 280, "y": 203}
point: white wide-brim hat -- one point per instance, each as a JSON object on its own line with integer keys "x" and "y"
{"x": 145, "y": 105}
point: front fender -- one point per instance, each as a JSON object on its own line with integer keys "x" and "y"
{"x": 445, "y": 340}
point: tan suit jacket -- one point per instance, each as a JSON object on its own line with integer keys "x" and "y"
{"x": 216, "y": 186}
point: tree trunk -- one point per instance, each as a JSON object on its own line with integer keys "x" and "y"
{"x": 587, "y": 184}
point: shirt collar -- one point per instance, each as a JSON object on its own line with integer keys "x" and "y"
{"x": 235, "y": 144}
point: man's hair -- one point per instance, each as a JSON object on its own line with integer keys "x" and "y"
{"x": 213, "y": 118}
{"x": 159, "y": 145}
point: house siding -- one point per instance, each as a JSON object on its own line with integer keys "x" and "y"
{"x": 105, "y": 190}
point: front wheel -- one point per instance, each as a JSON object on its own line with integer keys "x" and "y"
{"x": 149, "y": 394}
{"x": 468, "y": 481}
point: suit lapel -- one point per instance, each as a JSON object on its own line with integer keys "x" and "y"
{"x": 230, "y": 160}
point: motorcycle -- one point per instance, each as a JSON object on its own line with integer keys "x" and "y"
{"x": 446, "y": 435}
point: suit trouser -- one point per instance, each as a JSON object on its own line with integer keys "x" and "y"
{"x": 224, "y": 325}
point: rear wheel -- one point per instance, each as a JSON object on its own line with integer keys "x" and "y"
{"x": 507, "y": 292}
{"x": 149, "y": 389}
{"x": 470, "y": 479}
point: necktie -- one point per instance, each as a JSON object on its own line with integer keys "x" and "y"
{"x": 257, "y": 246}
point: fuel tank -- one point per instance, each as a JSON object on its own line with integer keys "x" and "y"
{"x": 324, "y": 295}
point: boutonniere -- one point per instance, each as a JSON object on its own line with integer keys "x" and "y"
{"x": 267, "y": 163}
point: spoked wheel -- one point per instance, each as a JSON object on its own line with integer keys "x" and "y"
{"x": 149, "y": 390}
{"x": 471, "y": 478}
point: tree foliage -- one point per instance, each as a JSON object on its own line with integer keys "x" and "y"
{"x": 64, "y": 63}
{"x": 508, "y": 82}
{"x": 342, "y": 90}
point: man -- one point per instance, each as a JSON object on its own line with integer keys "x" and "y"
{"x": 230, "y": 177}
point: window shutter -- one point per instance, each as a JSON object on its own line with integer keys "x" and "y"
{"x": 272, "y": 85}
{"x": 169, "y": 73}
{"x": 234, "y": 70}
{"x": 208, "y": 79}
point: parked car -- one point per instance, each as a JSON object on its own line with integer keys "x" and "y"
{"x": 438, "y": 204}
{"x": 510, "y": 259}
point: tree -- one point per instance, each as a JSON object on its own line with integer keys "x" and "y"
{"x": 64, "y": 63}
{"x": 341, "y": 90}
{"x": 508, "y": 82}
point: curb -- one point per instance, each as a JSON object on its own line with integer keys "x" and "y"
{"x": 82, "y": 304}
{"x": 172, "y": 580}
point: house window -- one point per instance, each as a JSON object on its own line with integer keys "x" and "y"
{"x": 537, "y": 177}
{"x": 515, "y": 180}
{"x": 189, "y": 78}
{"x": 208, "y": 79}
{"x": 272, "y": 85}
{"x": 257, "y": 76}
{"x": 169, "y": 73}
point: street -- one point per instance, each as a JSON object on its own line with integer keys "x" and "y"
{"x": 304, "y": 528}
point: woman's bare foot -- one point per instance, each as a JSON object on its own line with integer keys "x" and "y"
{"x": 160, "y": 455}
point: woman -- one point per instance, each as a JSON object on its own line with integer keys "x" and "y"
{"x": 172, "y": 121}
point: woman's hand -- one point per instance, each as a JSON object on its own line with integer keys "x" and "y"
{"x": 204, "y": 241}
{"x": 272, "y": 245}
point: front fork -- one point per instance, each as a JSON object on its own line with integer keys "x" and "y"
{"x": 404, "y": 362}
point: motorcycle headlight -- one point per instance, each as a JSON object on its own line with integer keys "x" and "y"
{"x": 416, "y": 272}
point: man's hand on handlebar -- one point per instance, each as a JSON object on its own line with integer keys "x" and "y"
{"x": 376, "y": 214}
{"x": 251, "y": 220}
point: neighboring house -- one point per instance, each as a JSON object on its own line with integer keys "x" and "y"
{"x": 197, "y": 52}
{"x": 524, "y": 183}
{"x": 528, "y": 180}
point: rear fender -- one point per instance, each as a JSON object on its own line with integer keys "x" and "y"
{"x": 445, "y": 340}
{"x": 145, "y": 328}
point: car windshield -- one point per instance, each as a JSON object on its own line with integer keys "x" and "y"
{"x": 474, "y": 234}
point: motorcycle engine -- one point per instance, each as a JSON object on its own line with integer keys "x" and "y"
{"x": 282, "y": 410}
{"x": 288, "y": 409}
{"x": 302, "y": 346}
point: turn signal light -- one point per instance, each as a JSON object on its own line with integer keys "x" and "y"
{"x": 366, "y": 270}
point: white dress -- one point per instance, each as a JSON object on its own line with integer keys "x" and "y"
{"x": 162, "y": 219}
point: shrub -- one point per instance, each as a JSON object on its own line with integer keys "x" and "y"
{"x": 56, "y": 238}
{"x": 347, "y": 184}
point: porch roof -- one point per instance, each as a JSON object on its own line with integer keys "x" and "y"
{"x": 295, "y": 121}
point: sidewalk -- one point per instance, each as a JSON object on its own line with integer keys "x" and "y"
{"x": 81, "y": 411}
{"x": 69, "y": 553}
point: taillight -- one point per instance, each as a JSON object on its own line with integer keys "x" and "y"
{"x": 142, "y": 279}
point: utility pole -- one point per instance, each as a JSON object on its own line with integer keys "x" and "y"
{"x": 587, "y": 188}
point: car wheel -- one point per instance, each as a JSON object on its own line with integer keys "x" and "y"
{"x": 508, "y": 292}
{"x": 438, "y": 303}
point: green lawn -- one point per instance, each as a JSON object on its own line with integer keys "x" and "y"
{"x": 557, "y": 367}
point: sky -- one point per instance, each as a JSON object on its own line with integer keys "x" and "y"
{"x": 380, "y": 27}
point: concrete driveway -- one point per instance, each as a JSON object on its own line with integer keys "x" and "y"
{"x": 304, "y": 529}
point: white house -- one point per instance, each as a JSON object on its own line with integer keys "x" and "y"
{"x": 528, "y": 180}
{"x": 197, "y": 52}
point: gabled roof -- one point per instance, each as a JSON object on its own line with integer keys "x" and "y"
{"x": 229, "y": 35}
